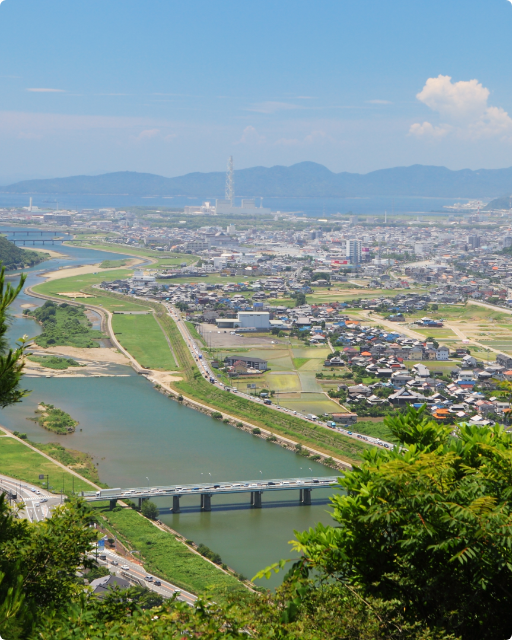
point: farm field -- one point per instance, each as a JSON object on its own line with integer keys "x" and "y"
{"x": 143, "y": 338}
{"x": 315, "y": 403}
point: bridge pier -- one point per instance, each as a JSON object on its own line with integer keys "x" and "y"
{"x": 113, "y": 503}
{"x": 176, "y": 504}
{"x": 256, "y": 499}
{"x": 305, "y": 496}
{"x": 206, "y": 502}
{"x": 141, "y": 500}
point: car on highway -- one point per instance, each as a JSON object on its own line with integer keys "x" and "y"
{"x": 43, "y": 499}
{"x": 114, "y": 562}
{"x": 148, "y": 578}
{"x": 125, "y": 567}
{"x": 157, "y": 583}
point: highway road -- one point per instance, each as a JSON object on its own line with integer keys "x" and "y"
{"x": 38, "y": 502}
{"x": 120, "y": 566}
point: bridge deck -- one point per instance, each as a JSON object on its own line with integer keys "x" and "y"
{"x": 211, "y": 488}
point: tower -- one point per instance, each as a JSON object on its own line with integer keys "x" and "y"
{"x": 230, "y": 182}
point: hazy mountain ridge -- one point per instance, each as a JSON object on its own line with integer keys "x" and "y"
{"x": 305, "y": 179}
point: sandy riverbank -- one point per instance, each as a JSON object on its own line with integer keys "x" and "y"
{"x": 86, "y": 269}
{"x": 97, "y": 355}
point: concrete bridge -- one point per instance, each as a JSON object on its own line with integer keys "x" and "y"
{"x": 208, "y": 490}
{"x": 26, "y": 233}
{"x": 40, "y": 241}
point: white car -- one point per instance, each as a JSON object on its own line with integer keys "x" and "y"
{"x": 43, "y": 500}
{"x": 125, "y": 567}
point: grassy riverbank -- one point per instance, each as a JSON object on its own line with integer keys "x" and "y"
{"x": 19, "y": 461}
{"x": 164, "y": 556}
{"x": 142, "y": 337}
{"x": 78, "y": 461}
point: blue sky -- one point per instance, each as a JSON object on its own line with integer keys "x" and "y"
{"x": 170, "y": 87}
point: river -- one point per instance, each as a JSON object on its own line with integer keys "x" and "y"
{"x": 135, "y": 433}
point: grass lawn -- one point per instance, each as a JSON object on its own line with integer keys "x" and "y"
{"x": 299, "y": 362}
{"x": 166, "y": 557}
{"x": 143, "y": 338}
{"x": 76, "y": 283}
{"x": 19, "y": 461}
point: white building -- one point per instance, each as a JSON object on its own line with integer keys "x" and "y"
{"x": 140, "y": 279}
{"x": 443, "y": 353}
{"x": 353, "y": 251}
{"x": 248, "y": 206}
{"x": 254, "y": 319}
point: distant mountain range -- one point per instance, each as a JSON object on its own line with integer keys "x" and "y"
{"x": 305, "y": 179}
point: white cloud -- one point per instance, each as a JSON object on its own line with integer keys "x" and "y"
{"x": 44, "y": 90}
{"x": 251, "y": 136}
{"x": 463, "y": 110}
{"x": 147, "y": 134}
{"x": 427, "y": 129}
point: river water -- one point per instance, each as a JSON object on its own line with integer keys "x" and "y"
{"x": 138, "y": 435}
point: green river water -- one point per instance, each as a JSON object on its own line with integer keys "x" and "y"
{"x": 135, "y": 433}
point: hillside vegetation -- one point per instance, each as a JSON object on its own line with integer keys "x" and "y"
{"x": 12, "y": 257}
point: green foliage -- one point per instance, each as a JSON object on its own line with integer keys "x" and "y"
{"x": 208, "y": 553}
{"x": 217, "y": 415}
{"x": 64, "y": 324}
{"x": 112, "y": 264}
{"x": 97, "y": 571}
{"x": 38, "y": 564}
{"x": 54, "y": 362}
{"x": 11, "y": 360}
{"x": 12, "y": 257}
{"x": 428, "y": 527}
{"x": 54, "y": 419}
{"x": 149, "y": 510}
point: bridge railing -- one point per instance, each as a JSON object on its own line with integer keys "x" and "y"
{"x": 213, "y": 487}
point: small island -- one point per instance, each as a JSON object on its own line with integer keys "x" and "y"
{"x": 55, "y": 362}
{"x": 53, "y": 419}
{"x": 64, "y": 325}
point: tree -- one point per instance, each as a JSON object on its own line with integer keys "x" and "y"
{"x": 300, "y": 299}
{"x": 11, "y": 360}
{"x": 38, "y": 564}
{"x": 434, "y": 341}
{"x": 427, "y": 525}
{"x": 149, "y": 510}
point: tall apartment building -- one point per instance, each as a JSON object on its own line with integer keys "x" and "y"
{"x": 474, "y": 241}
{"x": 353, "y": 251}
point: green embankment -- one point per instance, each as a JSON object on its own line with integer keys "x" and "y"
{"x": 194, "y": 333}
{"x": 77, "y": 283}
{"x": 19, "y": 461}
{"x": 166, "y": 557}
{"x": 78, "y": 461}
{"x": 142, "y": 337}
